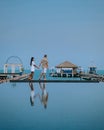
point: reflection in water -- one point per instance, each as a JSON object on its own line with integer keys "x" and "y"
{"x": 76, "y": 107}
{"x": 43, "y": 96}
{"x": 33, "y": 94}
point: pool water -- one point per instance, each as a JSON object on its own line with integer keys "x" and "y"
{"x": 70, "y": 106}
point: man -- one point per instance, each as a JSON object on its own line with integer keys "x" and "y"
{"x": 44, "y": 64}
{"x": 44, "y": 95}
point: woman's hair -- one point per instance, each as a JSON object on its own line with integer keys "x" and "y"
{"x": 45, "y": 55}
{"x": 32, "y": 58}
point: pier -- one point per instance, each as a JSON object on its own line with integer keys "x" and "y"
{"x": 97, "y": 77}
{"x": 14, "y": 78}
{"x": 83, "y": 78}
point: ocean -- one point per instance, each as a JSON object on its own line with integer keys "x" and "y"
{"x": 69, "y": 106}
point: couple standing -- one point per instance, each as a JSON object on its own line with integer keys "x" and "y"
{"x": 43, "y": 64}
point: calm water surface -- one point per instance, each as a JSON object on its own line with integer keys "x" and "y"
{"x": 69, "y": 106}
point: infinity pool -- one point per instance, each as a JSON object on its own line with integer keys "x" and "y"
{"x": 69, "y": 106}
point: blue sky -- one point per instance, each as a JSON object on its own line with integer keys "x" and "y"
{"x": 63, "y": 29}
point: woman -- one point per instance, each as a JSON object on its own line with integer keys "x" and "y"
{"x": 33, "y": 94}
{"x": 33, "y": 66}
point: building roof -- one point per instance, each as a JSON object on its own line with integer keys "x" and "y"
{"x": 66, "y": 64}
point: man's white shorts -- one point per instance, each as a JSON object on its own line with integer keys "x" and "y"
{"x": 45, "y": 70}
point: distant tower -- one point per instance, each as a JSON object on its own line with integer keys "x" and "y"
{"x": 92, "y": 68}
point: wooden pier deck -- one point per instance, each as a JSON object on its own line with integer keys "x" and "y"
{"x": 97, "y": 77}
{"x": 5, "y": 74}
{"x": 19, "y": 78}
{"x": 84, "y": 78}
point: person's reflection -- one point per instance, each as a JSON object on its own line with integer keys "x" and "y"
{"x": 33, "y": 94}
{"x": 44, "y": 95}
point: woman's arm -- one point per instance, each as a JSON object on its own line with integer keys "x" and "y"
{"x": 36, "y": 66}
